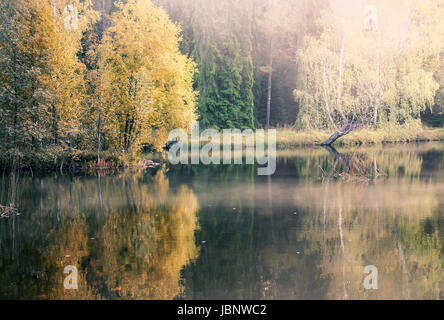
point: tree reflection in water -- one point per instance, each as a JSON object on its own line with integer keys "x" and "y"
{"x": 369, "y": 219}
{"x": 221, "y": 232}
{"x": 128, "y": 237}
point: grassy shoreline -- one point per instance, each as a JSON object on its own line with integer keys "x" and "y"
{"x": 286, "y": 139}
{"x": 291, "y": 138}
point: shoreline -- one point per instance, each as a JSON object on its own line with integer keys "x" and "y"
{"x": 291, "y": 138}
{"x": 286, "y": 139}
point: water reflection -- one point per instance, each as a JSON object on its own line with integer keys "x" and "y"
{"x": 309, "y": 231}
{"x": 370, "y": 218}
{"x": 128, "y": 235}
{"x": 221, "y": 232}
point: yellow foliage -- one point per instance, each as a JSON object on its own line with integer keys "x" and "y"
{"x": 146, "y": 83}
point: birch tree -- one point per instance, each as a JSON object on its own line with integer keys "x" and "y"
{"x": 353, "y": 76}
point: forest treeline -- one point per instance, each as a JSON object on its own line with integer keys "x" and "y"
{"x": 77, "y": 81}
{"x": 83, "y": 80}
{"x": 334, "y": 65}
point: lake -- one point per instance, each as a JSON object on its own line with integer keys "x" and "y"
{"x": 222, "y": 232}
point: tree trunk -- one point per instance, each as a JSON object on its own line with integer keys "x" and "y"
{"x": 333, "y": 138}
{"x": 61, "y": 165}
{"x": 346, "y": 129}
{"x": 16, "y": 106}
{"x": 103, "y": 15}
{"x": 99, "y": 120}
{"x": 99, "y": 137}
{"x": 55, "y": 127}
{"x": 270, "y": 73}
{"x": 204, "y": 73}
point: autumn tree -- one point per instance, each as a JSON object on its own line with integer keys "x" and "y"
{"x": 146, "y": 83}
{"x": 41, "y": 78}
{"x": 67, "y": 73}
{"x": 22, "y": 61}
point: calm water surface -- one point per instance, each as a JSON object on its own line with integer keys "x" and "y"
{"x": 222, "y": 232}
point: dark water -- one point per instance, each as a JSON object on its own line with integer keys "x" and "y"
{"x": 221, "y": 232}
